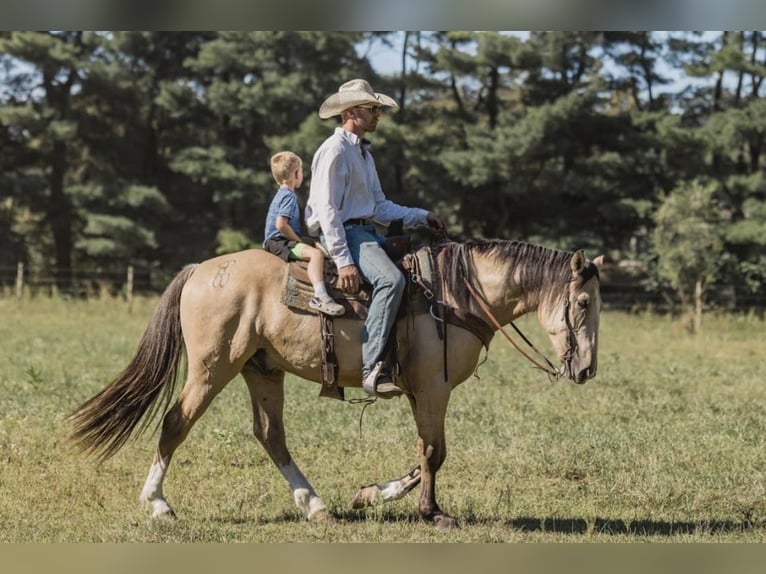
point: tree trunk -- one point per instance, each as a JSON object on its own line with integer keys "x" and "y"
{"x": 647, "y": 69}
{"x": 698, "y": 306}
{"x": 403, "y": 87}
{"x": 60, "y": 217}
{"x": 492, "y": 99}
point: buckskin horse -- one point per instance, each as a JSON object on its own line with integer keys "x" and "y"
{"x": 228, "y": 315}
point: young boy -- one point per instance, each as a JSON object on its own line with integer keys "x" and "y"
{"x": 283, "y": 228}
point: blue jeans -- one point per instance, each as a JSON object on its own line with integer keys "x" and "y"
{"x": 366, "y": 248}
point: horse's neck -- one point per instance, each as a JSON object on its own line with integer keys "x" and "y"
{"x": 513, "y": 278}
{"x": 503, "y": 291}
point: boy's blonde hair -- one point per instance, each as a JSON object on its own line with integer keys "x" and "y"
{"x": 283, "y": 165}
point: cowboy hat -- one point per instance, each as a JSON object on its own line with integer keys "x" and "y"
{"x": 353, "y": 93}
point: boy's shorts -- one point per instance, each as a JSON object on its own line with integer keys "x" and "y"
{"x": 284, "y": 248}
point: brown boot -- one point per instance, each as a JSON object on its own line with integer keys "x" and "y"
{"x": 379, "y": 383}
{"x": 385, "y": 387}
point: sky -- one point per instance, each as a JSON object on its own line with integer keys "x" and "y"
{"x": 388, "y": 60}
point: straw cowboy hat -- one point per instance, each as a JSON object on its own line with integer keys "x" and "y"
{"x": 353, "y": 93}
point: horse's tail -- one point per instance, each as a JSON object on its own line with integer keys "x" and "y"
{"x": 104, "y": 422}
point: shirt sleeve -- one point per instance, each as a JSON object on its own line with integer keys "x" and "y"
{"x": 286, "y": 206}
{"x": 328, "y": 189}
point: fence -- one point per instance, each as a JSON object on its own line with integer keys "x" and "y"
{"x": 630, "y": 295}
{"x": 634, "y": 296}
{"x": 41, "y": 282}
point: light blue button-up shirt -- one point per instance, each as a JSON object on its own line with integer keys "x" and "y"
{"x": 345, "y": 185}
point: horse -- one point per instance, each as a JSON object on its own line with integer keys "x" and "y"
{"x": 226, "y": 312}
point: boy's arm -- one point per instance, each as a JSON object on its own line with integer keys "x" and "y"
{"x": 283, "y": 226}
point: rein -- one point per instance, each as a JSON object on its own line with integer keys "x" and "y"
{"x": 549, "y": 367}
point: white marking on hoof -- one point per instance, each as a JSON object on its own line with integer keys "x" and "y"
{"x": 393, "y": 490}
{"x": 305, "y": 497}
{"x": 151, "y": 494}
{"x": 308, "y": 502}
{"x": 162, "y": 510}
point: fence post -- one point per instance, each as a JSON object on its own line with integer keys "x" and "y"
{"x": 129, "y": 287}
{"x": 20, "y": 281}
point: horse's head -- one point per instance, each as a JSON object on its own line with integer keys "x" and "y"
{"x": 572, "y": 319}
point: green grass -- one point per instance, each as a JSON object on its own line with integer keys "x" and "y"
{"x": 665, "y": 445}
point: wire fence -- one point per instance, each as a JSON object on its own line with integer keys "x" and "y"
{"x": 21, "y": 281}
{"x": 636, "y": 296}
{"x": 630, "y": 295}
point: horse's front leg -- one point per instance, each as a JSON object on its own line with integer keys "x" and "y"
{"x": 432, "y": 453}
{"x": 430, "y": 407}
{"x": 429, "y": 414}
{"x": 267, "y": 396}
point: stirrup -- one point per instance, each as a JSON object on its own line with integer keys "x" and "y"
{"x": 369, "y": 383}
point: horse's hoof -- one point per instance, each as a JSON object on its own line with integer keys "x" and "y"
{"x": 167, "y": 515}
{"x": 366, "y": 496}
{"x": 161, "y": 509}
{"x": 445, "y": 523}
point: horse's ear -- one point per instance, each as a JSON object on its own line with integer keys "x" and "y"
{"x": 578, "y": 262}
{"x": 598, "y": 261}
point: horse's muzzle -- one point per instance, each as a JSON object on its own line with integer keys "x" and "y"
{"x": 580, "y": 377}
{"x": 583, "y": 375}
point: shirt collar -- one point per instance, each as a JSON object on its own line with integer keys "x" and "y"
{"x": 352, "y": 138}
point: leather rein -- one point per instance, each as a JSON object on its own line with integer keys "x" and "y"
{"x": 549, "y": 368}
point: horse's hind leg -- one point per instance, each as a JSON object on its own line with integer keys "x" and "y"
{"x": 202, "y": 385}
{"x": 267, "y": 396}
{"x": 386, "y": 491}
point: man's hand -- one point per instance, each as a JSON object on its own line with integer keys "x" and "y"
{"x": 437, "y": 222}
{"x": 349, "y": 279}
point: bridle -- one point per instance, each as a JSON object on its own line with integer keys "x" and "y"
{"x": 549, "y": 368}
{"x": 572, "y": 346}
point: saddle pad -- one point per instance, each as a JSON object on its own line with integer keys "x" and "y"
{"x": 297, "y": 291}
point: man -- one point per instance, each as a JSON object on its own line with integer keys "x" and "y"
{"x": 345, "y": 199}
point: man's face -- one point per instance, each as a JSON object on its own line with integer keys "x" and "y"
{"x": 367, "y": 116}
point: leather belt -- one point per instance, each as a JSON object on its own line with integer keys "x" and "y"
{"x": 358, "y": 221}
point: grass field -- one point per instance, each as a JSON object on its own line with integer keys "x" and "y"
{"x": 666, "y": 444}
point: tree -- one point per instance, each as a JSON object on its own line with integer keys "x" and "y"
{"x": 152, "y": 148}
{"x": 638, "y": 53}
{"x": 688, "y": 243}
{"x": 43, "y": 72}
{"x": 123, "y": 187}
{"x": 728, "y": 114}
{"x": 557, "y": 154}
{"x": 256, "y": 90}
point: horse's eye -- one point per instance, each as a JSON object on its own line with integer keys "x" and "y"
{"x": 582, "y": 303}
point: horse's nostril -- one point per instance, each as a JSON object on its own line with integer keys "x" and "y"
{"x": 584, "y": 375}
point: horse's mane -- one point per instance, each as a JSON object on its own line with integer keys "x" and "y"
{"x": 541, "y": 268}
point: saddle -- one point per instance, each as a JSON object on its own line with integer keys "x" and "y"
{"x": 423, "y": 294}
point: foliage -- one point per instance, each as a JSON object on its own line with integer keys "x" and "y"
{"x": 231, "y": 240}
{"x": 124, "y": 147}
{"x": 687, "y": 240}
